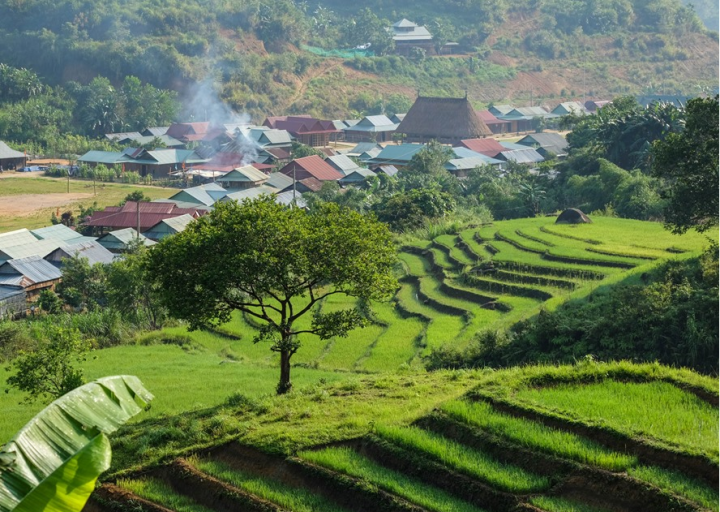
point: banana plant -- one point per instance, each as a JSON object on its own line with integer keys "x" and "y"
{"x": 53, "y": 462}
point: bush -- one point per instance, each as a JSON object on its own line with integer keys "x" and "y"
{"x": 14, "y": 338}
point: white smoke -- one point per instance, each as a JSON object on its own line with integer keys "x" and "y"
{"x": 202, "y": 103}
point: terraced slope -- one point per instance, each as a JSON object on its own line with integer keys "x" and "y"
{"x": 593, "y": 437}
{"x": 482, "y": 278}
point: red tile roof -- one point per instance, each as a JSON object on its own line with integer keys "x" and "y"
{"x": 315, "y": 166}
{"x": 487, "y": 147}
{"x": 489, "y": 118}
{"x": 150, "y": 214}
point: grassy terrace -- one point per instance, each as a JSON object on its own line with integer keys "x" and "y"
{"x": 536, "y": 436}
{"x": 347, "y": 461}
{"x": 161, "y": 493}
{"x": 463, "y": 459}
{"x": 654, "y": 410}
{"x": 286, "y": 496}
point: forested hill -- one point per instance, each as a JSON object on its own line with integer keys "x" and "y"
{"x": 256, "y": 52}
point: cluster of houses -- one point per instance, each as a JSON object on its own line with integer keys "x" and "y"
{"x": 209, "y": 152}
{"x": 243, "y": 161}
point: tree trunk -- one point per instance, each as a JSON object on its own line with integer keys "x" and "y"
{"x": 284, "y": 385}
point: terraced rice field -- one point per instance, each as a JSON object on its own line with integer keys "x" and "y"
{"x": 493, "y": 450}
{"x": 489, "y": 277}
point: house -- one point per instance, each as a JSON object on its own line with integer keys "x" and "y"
{"x": 570, "y": 107}
{"x": 304, "y": 186}
{"x": 371, "y": 129}
{"x": 242, "y": 177}
{"x": 195, "y": 132}
{"x": 9, "y": 158}
{"x": 202, "y": 195}
{"x": 157, "y": 163}
{"x": 447, "y": 120}
{"x": 388, "y": 170}
{"x": 17, "y": 237}
{"x": 61, "y": 233}
{"x": 39, "y": 248}
{"x": 274, "y": 156}
{"x": 546, "y": 143}
{"x": 93, "y": 251}
{"x": 167, "y": 227}
{"x": 496, "y": 125}
{"x": 363, "y": 147}
{"x": 398, "y": 156}
{"x": 525, "y": 119}
{"x": 520, "y": 154}
{"x": 123, "y": 137}
{"x": 357, "y": 177}
{"x": 343, "y": 164}
{"x": 408, "y": 35}
{"x": 155, "y": 131}
{"x": 270, "y": 137}
{"x": 397, "y": 118}
{"x": 249, "y": 193}
{"x": 32, "y": 273}
{"x": 13, "y": 301}
{"x": 120, "y": 240}
{"x": 592, "y": 106}
{"x": 488, "y": 147}
{"x": 500, "y": 110}
{"x": 460, "y": 167}
{"x": 279, "y": 181}
{"x": 311, "y": 166}
{"x": 133, "y": 215}
{"x": 305, "y": 129}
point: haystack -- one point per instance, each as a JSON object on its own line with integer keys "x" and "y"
{"x": 447, "y": 120}
{"x": 573, "y": 216}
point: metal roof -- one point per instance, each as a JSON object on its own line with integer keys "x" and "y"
{"x": 522, "y": 156}
{"x": 56, "y": 232}
{"x": 38, "y": 248}
{"x": 278, "y": 180}
{"x": 8, "y": 291}
{"x": 487, "y": 147}
{"x": 544, "y": 139}
{"x": 201, "y": 193}
{"x": 245, "y": 174}
{"x": 357, "y": 175}
{"x": 363, "y": 147}
{"x": 315, "y": 166}
{"x": 17, "y": 237}
{"x": 103, "y": 157}
{"x": 458, "y": 164}
{"x": 373, "y": 124}
{"x": 120, "y": 136}
{"x": 250, "y": 193}
{"x": 404, "y": 30}
{"x": 165, "y": 139}
{"x": 6, "y": 152}
{"x": 93, "y": 251}
{"x": 33, "y": 268}
{"x": 402, "y": 153}
{"x": 173, "y": 225}
{"x": 120, "y": 238}
{"x": 389, "y": 170}
{"x": 286, "y": 199}
{"x": 342, "y": 163}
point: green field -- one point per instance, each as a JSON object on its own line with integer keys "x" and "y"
{"x": 104, "y": 194}
{"x": 393, "y": 453}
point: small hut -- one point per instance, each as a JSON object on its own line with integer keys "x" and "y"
{"x": 447, "y": 120}
{"x": 573, "y": 216}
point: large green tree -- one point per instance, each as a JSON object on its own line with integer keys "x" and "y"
{"x": 276, "y": 265}
{"x": 689, "y": 161}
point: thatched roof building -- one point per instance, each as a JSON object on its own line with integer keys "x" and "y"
{"x": 573, "y": 216}
{"x": 447, "y": 120}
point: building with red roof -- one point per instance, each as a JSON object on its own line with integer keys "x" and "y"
{"x": 496, "y": 125}
{"x": 132, "y": 214}
{"x": 195, "y": 132}
{"x": 306, "y": 130}
{"x": 487, "y": 147}
{"x": 311, "y": 167}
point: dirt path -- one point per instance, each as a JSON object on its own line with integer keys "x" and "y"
{"x": 25, "y": 205}
{"x": 304, "y": 83}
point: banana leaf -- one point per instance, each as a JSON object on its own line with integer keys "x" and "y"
{"x": 51, "y": 465}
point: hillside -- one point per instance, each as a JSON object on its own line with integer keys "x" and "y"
{"x": 527, "y": 52}
{"x": 590, "y": 437}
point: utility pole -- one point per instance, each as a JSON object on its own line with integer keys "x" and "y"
{"x": 294, "y": 187}
{"x": 137, "y": 214}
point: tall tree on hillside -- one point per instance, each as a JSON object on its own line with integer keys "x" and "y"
{"x": 689, "y": 161}
{"x": 276, "y": 265}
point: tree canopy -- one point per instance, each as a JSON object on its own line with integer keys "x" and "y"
{"x": 689, "y": 161}
{"x": 275, "y": 264}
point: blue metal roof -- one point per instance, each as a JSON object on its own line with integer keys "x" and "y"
{"x": 33, "y": 268}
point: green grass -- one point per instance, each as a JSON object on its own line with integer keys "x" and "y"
{"x": 536, "y": 436}
{"x": 161, "y": 493}
{"x": 415, "y": 264}
{"x": 677, "y": 483}
{"x": 456, "y": 254}
{"x": 108, "y": 194}
{"x": 396, "y": 346}
{"x": 441, "y": 258}
{"x": 655, "y": 410}
{"x": 288, "y": 497}
{"x": 463, "y": 459}
{"x": 349, "y": 462}
{"x": 557, "y": 504}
